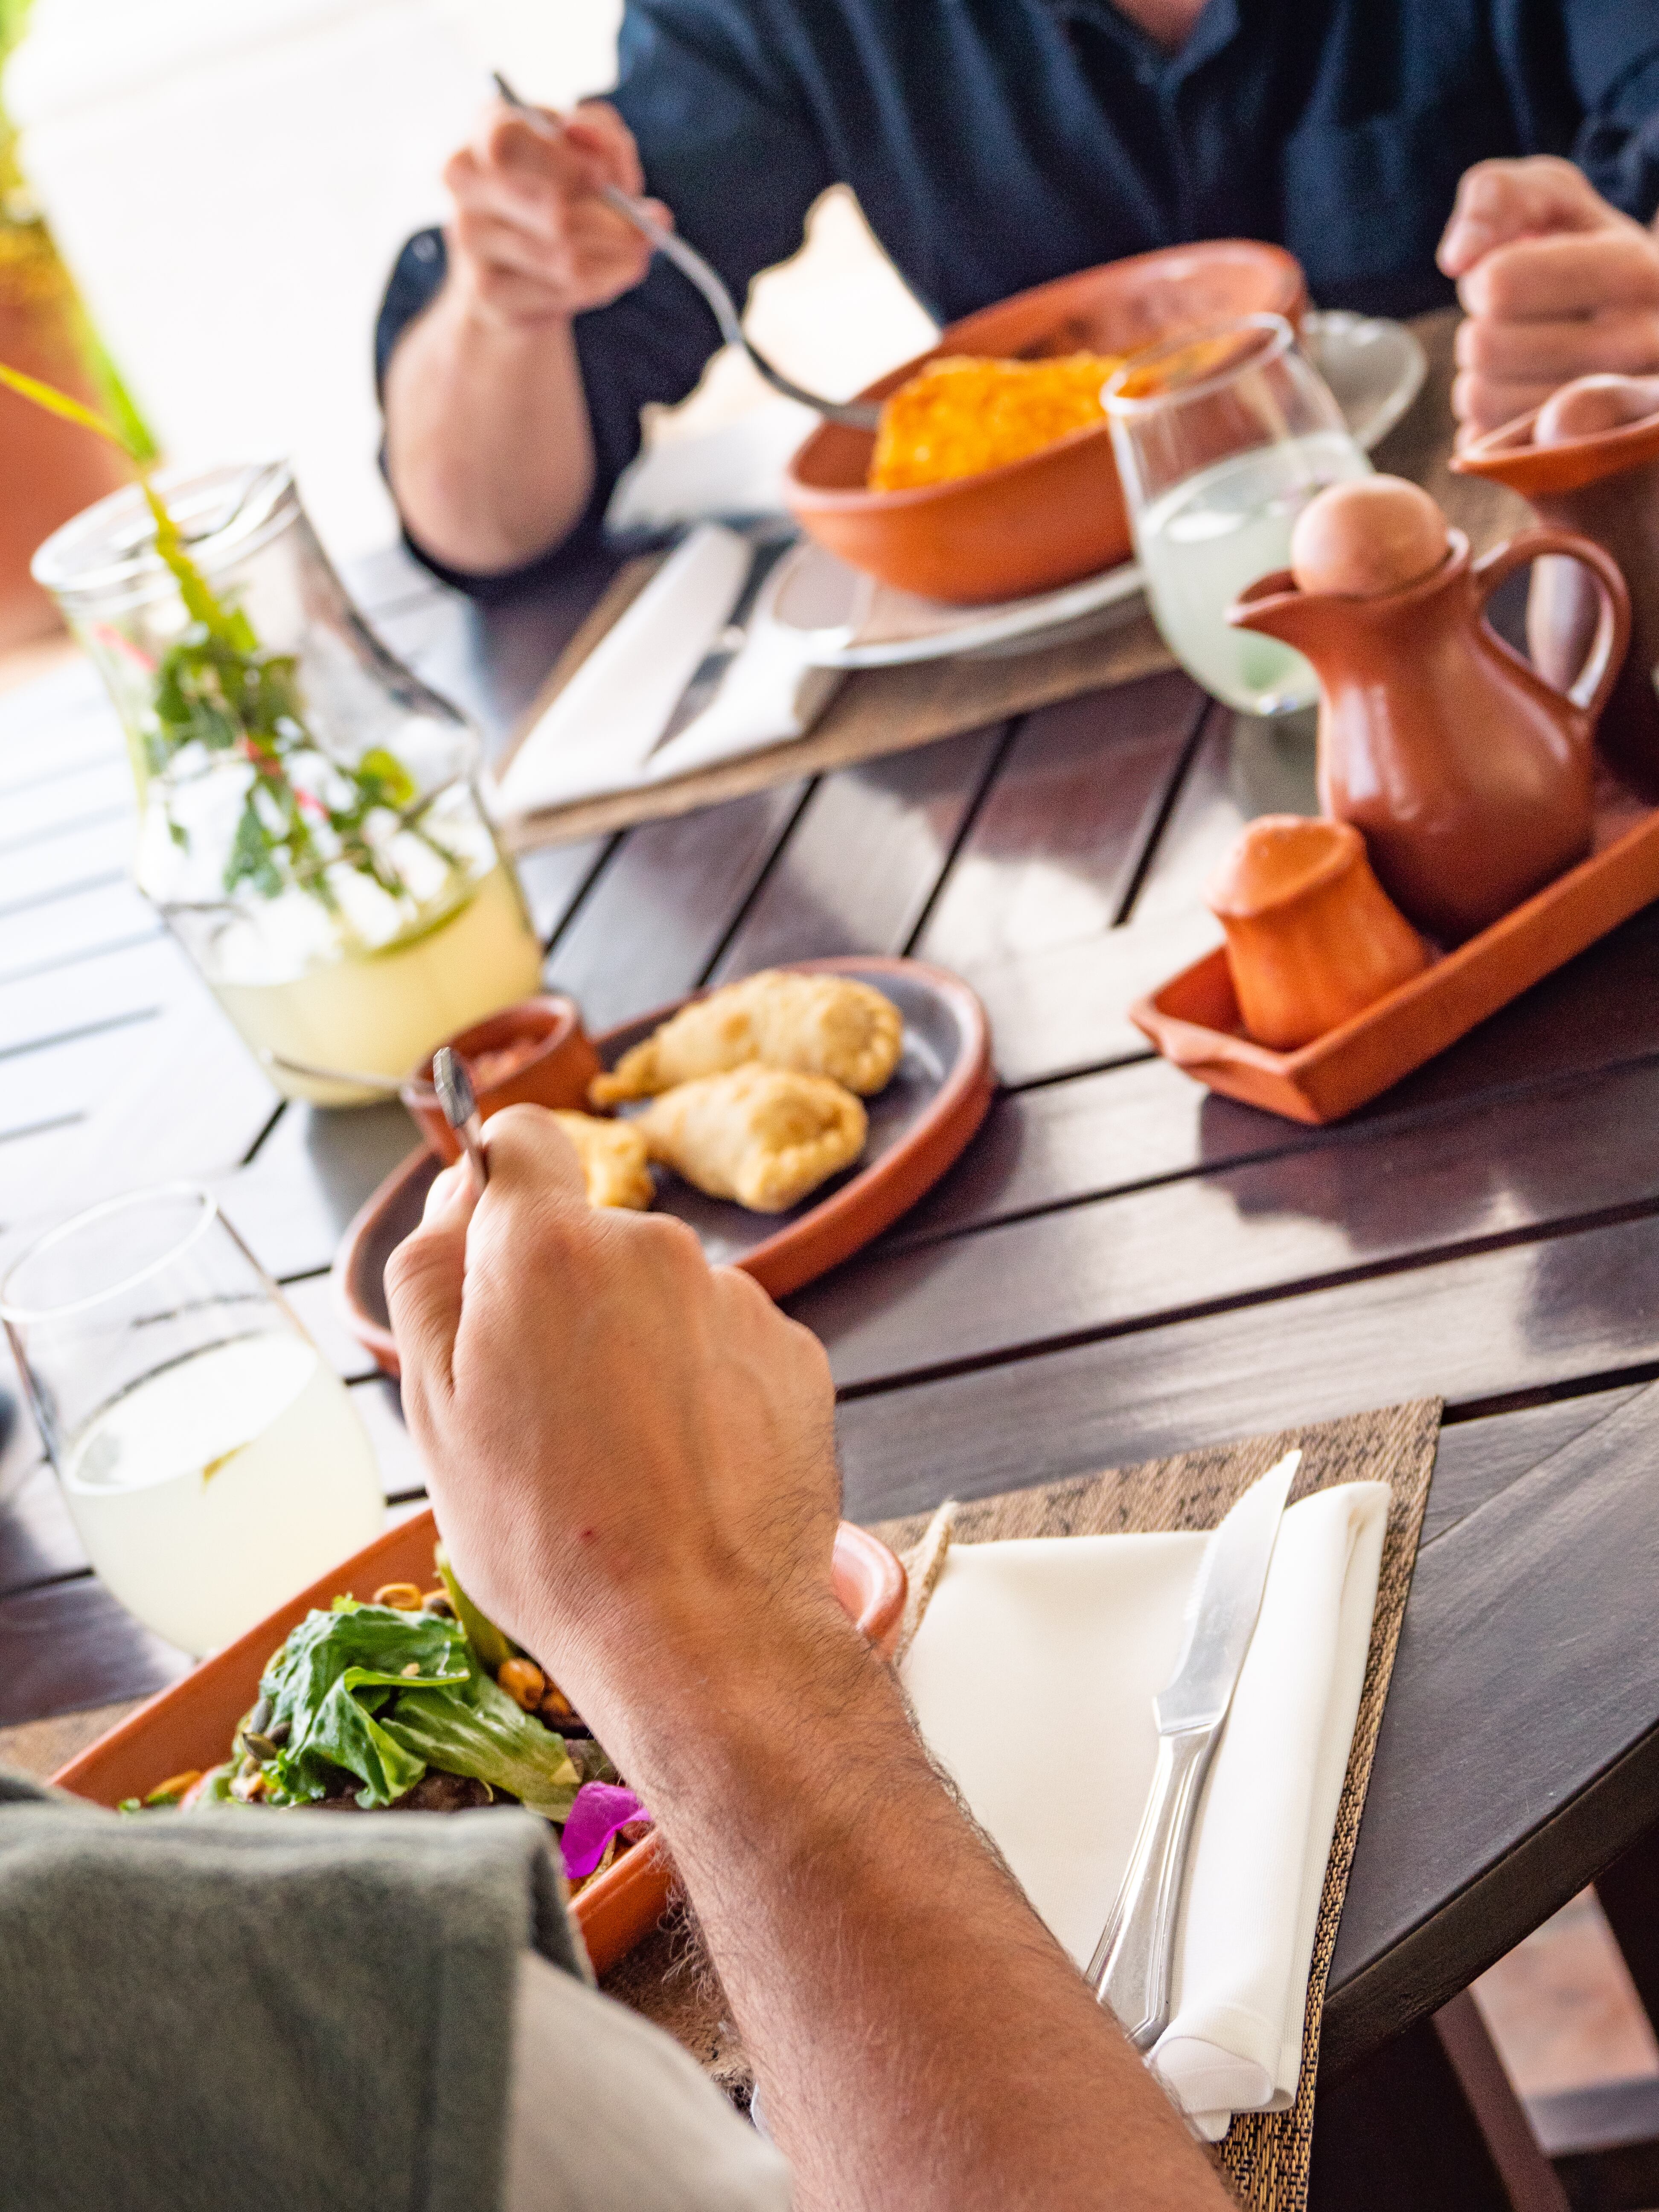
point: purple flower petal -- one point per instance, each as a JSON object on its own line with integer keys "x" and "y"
{"x": 599, "y": 1809}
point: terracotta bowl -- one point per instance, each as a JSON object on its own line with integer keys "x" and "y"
{"x": 1057, "y": 514}
{"x": 191, "y": 1724}
{"x": 919, "y": 1125}
{"x": 1509, "y": 455}
{"x": 552, "y": 1064}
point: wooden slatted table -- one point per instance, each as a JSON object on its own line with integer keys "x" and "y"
{"x": 1121, "y": 1265}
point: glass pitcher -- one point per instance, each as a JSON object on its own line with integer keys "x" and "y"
{"x": 309, "y": 824}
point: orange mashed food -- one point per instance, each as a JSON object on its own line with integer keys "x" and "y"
{"x": 963, "y": 414}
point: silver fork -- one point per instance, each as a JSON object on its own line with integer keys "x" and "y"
{"x": 855, "y": 414}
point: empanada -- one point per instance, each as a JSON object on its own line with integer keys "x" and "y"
{"x": 820, "y": 1025}
{"x": 613, "y": 1155}
{"x": 765, "y": 1136}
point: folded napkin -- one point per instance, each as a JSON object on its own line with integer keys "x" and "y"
{"x": 597, "y": 734}
{"x": 602, "y": 733}
{"x": 1033, "y": 1674}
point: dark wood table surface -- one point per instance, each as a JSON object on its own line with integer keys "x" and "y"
{"x": 1121, "y": 1265}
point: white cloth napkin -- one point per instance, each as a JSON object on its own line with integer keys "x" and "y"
{"x": 597, "y": 735}
{"x": 1033, "y": 1674}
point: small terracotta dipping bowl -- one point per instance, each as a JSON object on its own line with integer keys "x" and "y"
{"x": 534, "y": 1054}
{"x": 1058, "y": 514}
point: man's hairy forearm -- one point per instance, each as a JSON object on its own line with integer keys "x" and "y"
{"x": 920, "y": 2039}
{"x": 488, "y": 446}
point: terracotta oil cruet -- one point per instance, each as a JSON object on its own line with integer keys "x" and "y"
{"x": 1467, "y": 774}
{"x": 1588, "y": 460}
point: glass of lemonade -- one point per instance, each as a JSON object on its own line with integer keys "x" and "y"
{"x": 212, "y": 1460}
{"x": 309, "y": 821}
{"x": 1222, "y": 437}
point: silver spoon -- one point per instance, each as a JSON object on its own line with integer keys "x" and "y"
{"x": 454, "y": 1088}
{"x": 356, "y": 1079}
{"x": 856, "y": 414}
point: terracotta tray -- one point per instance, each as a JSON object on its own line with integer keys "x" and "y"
{"x": 918, "y": 1126}
{"x": 191, "y": 1724}
{"x": 1193, "y": 1019}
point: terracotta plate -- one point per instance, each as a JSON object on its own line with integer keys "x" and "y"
{"x": 918, "y": 1126}
{"x": 191, "y": 1724}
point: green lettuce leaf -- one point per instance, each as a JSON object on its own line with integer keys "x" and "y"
{"x": 489, "y": 1736}
{"x": 384, "y": 1694}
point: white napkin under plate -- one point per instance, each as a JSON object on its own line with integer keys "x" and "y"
{"x": 1033, "y": 1674}
{"x": 597, "y": 734}
{"x": 601, "y": 733}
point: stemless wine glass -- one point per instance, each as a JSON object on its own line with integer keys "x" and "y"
{"x": 1222, "y": 437}
{"x": 212, "y": 1461}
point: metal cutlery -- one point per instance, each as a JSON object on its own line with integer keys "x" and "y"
{"x": 389, "y": 1086}
{"x": 1130, "y": 1967}
{"x": 856, "y": 414}
{"x": 710, "y": 672}
{"x": 454, "y": 1088}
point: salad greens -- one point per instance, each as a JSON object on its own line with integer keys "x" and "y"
{"x": 385, "y": 1694}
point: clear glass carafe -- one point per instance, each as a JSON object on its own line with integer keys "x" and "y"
{"x": 309, "y": 824}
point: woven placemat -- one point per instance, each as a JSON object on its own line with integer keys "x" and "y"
{"x": 1266, "y": 2155}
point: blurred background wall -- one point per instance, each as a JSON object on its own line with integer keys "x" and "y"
{"x": 229, "y": 183}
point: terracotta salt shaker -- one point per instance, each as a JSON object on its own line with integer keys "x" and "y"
{"x": 1469, "y": 776}
{"x": 1588, "y": 460}
{"x": 1312, "y": 937}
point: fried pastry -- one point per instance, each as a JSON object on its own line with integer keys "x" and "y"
{"x": 614, "y": 1160}
{"x": 765, "y": 1136}
{"x": 819, "y": 1024}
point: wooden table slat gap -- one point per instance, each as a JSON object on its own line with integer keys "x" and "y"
{"x": 584, "y": 891}
{"x": 40, "y": 1128}
{"x": 1205, "y": 710}
{"x": 1503, "y": 1240}
{"x": 768, "y": 866}
{"x": 82, "y": 953}
{"x": 99, "y": 818}
{"x": 73, "y": 1036}
{"x": 1051, "y": 1080}
{"x": 1499, "y": 1402}
{"x": 103, "y": 882}
{"x": 265, "y": 1131}
{"x": 1294, "y": 1138}
{"x": 971, "y": 813}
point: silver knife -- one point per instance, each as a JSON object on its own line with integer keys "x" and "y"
{"x": 710, "y": 672}
{"x": 1130, "y": 1969}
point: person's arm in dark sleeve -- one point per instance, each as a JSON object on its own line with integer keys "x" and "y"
{"x": 513, "y": 388}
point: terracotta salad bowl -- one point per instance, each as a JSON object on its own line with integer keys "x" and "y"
{"x": 1054, "y": 515}
{"x": 191, "y": 1724}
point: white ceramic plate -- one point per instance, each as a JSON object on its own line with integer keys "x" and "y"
{"x": 1375, "y": 369}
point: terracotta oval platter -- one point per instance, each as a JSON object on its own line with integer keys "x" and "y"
{"x": 191, "y": 1724}
{"x": 918, "y": 1126}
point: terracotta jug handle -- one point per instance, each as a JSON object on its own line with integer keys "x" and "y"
{"x": 1600, "y": 672}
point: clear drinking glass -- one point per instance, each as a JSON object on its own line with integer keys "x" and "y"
{"x": 309, "y": 824}
{"x": 1222, "y": 437}
{"x": 212, "y": 1461}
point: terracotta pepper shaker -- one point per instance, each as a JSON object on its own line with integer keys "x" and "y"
{"x": 1469, "y": 776}
{"x": 1312, "y": 937}
{"x": 1588, "y": 460}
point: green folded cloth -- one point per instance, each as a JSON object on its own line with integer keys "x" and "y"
{"x": 235, "y": 2008}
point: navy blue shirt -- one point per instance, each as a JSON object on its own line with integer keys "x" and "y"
{"x": 995, "y": 144}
